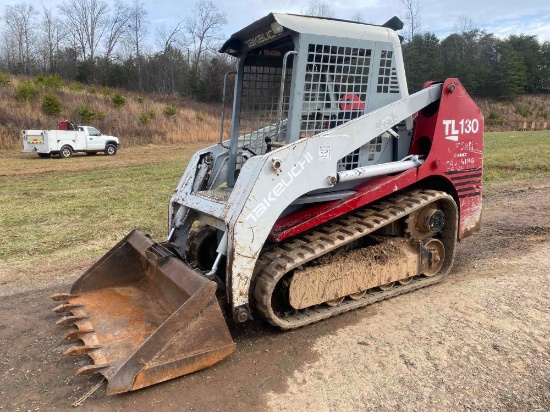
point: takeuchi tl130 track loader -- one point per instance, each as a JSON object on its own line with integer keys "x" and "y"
{"x": 336, "y": 189}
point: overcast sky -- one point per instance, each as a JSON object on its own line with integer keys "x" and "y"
{"x": 501, "y": 17}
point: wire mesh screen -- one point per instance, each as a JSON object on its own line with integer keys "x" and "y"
{"x": 387, "y": 74}
{"x": 260, "y": 95}
{"x": 335, "y": 88}
{"x": 376, "y": 146}
{"x": 349, "y": 162}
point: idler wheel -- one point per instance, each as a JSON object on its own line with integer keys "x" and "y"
{"x": 435, "y": 257}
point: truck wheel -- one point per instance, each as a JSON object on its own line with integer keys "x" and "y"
{"x": 91, "y": 153}
{"x": 44, "y": 155}
{"x": 110, "y": 150}
{"x": 65, "y": 152}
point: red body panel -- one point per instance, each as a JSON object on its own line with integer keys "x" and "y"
{"x": 452, "y": 131}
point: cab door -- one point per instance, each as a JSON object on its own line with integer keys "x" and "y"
{"x": 94, "y": 139}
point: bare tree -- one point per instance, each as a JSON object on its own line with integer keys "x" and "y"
{"x": 52, "y": 35}
{"x": 87, "y": 19}
{"x": 318, "y": 8}
{"x": 21, "y": 28}
{"x": 169, "y": 36}
{"x": 46, "y": 44}
{"x": 358, "y": 17}
{"x": 117, "y": 25}
{"x": 169, "y": 39}
{"x": 9, "y": 50}
{"x": 204, "y": 28}
{"x": 464, "y": 24}
{"x": 136, "y": 34}
{"x": 412, "y": 17}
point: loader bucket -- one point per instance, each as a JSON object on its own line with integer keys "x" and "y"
{"x": 144, "y": 317}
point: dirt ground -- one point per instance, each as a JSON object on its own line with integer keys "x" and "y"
{"x": 480, "y": 340}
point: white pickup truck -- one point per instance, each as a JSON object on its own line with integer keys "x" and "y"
{"x": 64, "y": 143}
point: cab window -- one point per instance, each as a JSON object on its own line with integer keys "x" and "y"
{"x": 93, "y": 132}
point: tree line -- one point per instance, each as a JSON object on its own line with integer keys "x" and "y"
{"x": 92, "y": 42}
{"x": 488, "y": 66}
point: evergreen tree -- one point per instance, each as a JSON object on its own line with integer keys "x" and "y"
{"x": 545, "y": 67}
{"x": 422, "y": 58}
{"x": 512, "y": 73}
{"x": 528, "y": 50}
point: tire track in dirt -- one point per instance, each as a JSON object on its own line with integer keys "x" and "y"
{"x": 478, "y": 340}
{"x": 483, "y": 344}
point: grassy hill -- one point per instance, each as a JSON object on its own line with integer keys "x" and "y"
{"x": 530, "y": 112}
{"x": 138, "y": 119}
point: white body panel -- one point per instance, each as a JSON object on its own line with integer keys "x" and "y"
{"x": 60, "y": 138}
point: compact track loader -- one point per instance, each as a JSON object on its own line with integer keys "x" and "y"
{"x": 335, "y": 189}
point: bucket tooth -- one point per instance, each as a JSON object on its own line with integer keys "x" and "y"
{"x": 91, "y": 369}
{"x": 63, "y": 296}
{"x": 69, "y": 320}
{"x": 80, "y": 350}
{"x": 66, "y": 307}
{"x": 77, "y": 334}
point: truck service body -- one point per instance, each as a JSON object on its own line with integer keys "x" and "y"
{"x": 65, "y": 142}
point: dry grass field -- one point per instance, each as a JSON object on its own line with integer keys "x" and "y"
{"x": 66, "y": 213}
{"x": 59, "y": 216}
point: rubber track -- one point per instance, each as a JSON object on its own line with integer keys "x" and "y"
{"x": 273, "y": 264}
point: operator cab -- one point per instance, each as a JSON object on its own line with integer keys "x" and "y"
{"x": 299, "y": 76}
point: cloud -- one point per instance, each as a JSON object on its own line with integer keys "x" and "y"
{"x": 531, "y": 26}
{"x": 503, "y": 18}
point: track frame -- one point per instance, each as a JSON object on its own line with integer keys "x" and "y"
{"x": 276, "y": 262}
